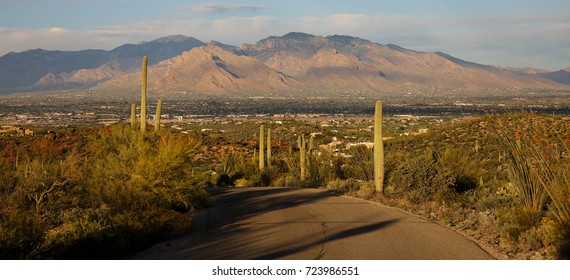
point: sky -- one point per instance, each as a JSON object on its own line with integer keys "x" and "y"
{"x": 507, "y": 33}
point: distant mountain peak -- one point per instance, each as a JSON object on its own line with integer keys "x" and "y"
{"x": 345, "y": 39}
{"x": 297, "y": 36}
{"x": 171, "y": 39}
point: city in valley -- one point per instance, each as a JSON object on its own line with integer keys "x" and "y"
{"x": 42, "y": 112}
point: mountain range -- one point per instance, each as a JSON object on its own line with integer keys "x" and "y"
{"x": 295, "y": 61}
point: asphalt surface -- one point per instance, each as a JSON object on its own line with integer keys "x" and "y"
{"x": 308, "y": 224}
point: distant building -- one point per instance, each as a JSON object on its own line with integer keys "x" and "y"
{"x": 20, "y": 131}
{"x": 368, "y": 145}
{"x": 5, "y": 129}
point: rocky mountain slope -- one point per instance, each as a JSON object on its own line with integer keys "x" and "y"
{"x": 295, "y": 61}
{"x": 38, "y": 69}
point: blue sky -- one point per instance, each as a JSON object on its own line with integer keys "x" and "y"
{"x": 523, "y": 33}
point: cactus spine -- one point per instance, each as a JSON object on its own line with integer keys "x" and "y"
{"x": 133, "y": 115}
{"x": 261, "y": 151}
{"x": 157, "y": 117}
{"x": 143, "y": 93}
{"x": 269, "y": 147}
{"x": 378, "y": 149}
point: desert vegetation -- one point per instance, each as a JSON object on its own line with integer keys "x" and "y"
{"x": 107, "y": 192}
{"x": 101, "y": 193}
{"x": 501, "y": 179}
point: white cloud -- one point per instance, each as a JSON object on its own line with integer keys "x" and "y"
{"x": 224, "y": 8}
{"x": 377, "y": 27}
{"x": 58, "y": 30}
{"x": 535, "y": 41}
{"x": 19, "y": 39}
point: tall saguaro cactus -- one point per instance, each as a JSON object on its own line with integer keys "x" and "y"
{"x": 261, "y": 151}
{"x": 133, "y": 115}
{"x": 143, "y": 93}
{"x": 303, "y": 157}
{"x": 378, "y": 149}
{"x": 268, "y": 147}
{"x": 158, "y": 113}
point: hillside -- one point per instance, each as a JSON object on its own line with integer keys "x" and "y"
{"x": 37, "y": 70}
{"x": 208, "y": 69}
{"x": 295, "y": 61}
{"x": 560, "y": 76}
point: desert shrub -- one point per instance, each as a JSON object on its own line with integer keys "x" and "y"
{"x": 321, "y": 168}
{"x": 246, "y": 168}
{"x": 357, "y": 188}
{"x": 242, "y": 183}
{"x": 366, "y": 190}
{"x": 544, "y": 235}
{"x": 515, "y": 221}
{"x": 343, "y": 186}
{"x": 102, "y": 193}
{"x": 420, "y": 178}
{"x": 21, "y": 233}
{"x": 563, "y": 250}
{"x": 222, "y": 180}
{"x": 360, "y": 164}
{"x": 265, "y": 177}
{"x": 537, "y": 149}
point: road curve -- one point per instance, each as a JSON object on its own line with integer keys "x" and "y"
{"x": 284, "y": 223}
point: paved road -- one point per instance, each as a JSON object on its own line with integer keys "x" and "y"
{"x": 280, "y": 223}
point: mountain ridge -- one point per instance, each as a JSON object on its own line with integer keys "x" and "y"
{"x": 294, "y": 61}
{"x": 39, "y": 69}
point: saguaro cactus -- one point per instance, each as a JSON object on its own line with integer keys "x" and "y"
{"x": 378, "y": 149}
{"x": 268, "y": 147}
{"x": 261, "y": 151}
{"x": 133, "y": 115}
{"x": 303, "y": 158}
{"x": 157, "y": 117}
{"x": 477, "y": 146}
{"x": 143, "y": 93}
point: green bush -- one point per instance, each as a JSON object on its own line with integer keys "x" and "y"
{"x": 343, "y": 186}
{"x": 21, "y": 233}
{"x": 515, "y": 221}
{"x": 420, "y": 178}
{"x": 360, "y": 164}
{"x": 101, "y": 193}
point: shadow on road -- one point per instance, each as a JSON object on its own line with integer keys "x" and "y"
{"x": 285, "y": 223}
{"x": 229, "y": 205}
{"x": 226, "y": 232}
{"x": 341, "y": 235}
